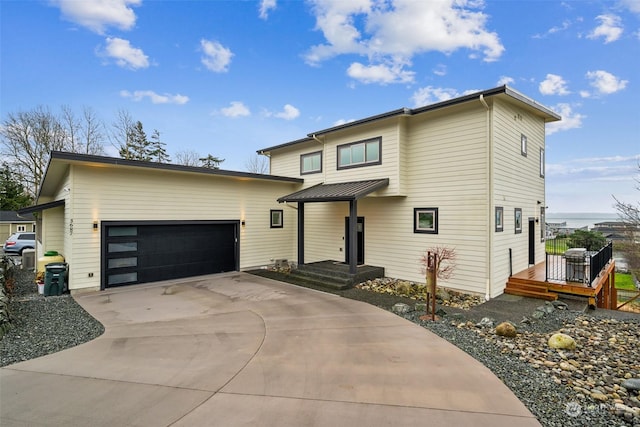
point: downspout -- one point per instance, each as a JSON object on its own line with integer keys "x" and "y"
{"x": 490, "y": 205}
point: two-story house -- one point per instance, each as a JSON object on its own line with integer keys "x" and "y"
{"x": 467, "y": 173}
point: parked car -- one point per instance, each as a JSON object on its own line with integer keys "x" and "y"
{"x": 19, "y": 242}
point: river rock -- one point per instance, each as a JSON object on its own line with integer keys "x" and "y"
{"x": 562, "y": 341}
{"x": 401, "y": 308}
{"x": 631, "y": 384}
{"x": 506, "y": 329}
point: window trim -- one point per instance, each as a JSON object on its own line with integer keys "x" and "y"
{"x": 523, "y": 144}
{"x": 363, "y": 142}
{"x": 276, "y": 224}
{"x": 543, "y": 224}
{"x": 303, "y": 156}
{"x": 21, "y": 228}
{"x": 416, "y": 222}
{"x": 499, "y": 219}
{"x": 517, "y": 217}
{"x": 542, "y": 163}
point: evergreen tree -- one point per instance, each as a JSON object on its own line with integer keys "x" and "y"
{"x": 211, "y": 162}
{"x": 12, "y": 193}
{"x": 157, "y": 150}
{"x": 137, "y": 146}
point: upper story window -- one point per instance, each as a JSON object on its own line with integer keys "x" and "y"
{"x": 523, "y": 145}
{"x": 361, "y": 153}
{"x": 311, "y": 163}
{"x": 542, "y": 163}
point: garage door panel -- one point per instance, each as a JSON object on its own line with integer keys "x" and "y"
{"x": 145, "y": 253}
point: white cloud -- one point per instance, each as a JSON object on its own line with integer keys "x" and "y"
{"x": 236, "y": 109}
{"x": 216, "y": 57}
{"x": 430, "y": 95}
{"x": 570, "y": 119}
{"x": 610, "y": 28}
{"x": 343, "y": 122}
{"x": 563, "y": 27}
{"x": 553, "y": 85}
{"x": 265, "y": 7}
{"x": 392, "y": 32}
{"x": 98, "y": 15}
{"x": 383, "y": 74}
{"x": 125, "y": 55}
{"x": 289, "y": 112}
{"x": 155, "y": 98}
{"x": 632, "y": 5}
{"x": 505, "y": 80}
{"x": 440, "y": 70}
{"x": 606, "y": 83}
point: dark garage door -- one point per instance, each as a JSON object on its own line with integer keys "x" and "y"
{"x": 149, "y": 252}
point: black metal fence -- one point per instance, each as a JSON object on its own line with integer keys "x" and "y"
{"x": 566, "y": 267}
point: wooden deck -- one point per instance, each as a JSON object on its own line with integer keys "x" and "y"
{"x": 532, "y": 283}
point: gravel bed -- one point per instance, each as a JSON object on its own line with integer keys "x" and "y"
{"x": 42, "y": 326}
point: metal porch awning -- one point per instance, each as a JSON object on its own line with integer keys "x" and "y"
{"x": 41, "y": 207}
{"x": 339, "y": 192}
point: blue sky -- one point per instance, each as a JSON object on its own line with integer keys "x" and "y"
{"x": 230, "y": 77}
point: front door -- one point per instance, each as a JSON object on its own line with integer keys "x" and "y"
{"x": 360, "y": 240}
{"x": 532, "y": 241}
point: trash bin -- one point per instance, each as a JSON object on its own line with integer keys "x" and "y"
{"x": 576, "y": 264}
{"x": 54, "y": 278}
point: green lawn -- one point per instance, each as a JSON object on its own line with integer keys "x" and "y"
{"x": 557, "y": 246}
{"x": 625, "y": 281}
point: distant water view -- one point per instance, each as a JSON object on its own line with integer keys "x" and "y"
{"x": 578, "y": 220}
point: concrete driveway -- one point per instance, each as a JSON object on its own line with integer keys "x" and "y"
{"x": 239, "y": 350}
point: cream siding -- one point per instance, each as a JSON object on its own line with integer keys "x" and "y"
{"x": 517, "y": 184}
{"x": 136, "y": 194}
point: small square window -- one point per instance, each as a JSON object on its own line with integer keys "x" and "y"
{"x": 499, "y": 218}
{"x": 425, "y": 220}
{"x": 523, "y": 145}
{"x": 311, "y": 163}
{"x": 276, "y": 218}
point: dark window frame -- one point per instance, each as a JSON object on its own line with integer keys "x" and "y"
{"x": 303, "y": 156}
{"x": 517, "y": 216}
{"x": 364, "y": 142}
{"x": 499, "y": 219}
{"x": 523, "y": 144}
{"x": 416, "y": 222}
{"x": 275, "y": 224}
{"x": 542, "y": 163}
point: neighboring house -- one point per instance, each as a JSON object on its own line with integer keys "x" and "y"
{"x": 616, "y": 230}
{"x": 466, "y": 173}
{"x": 11, "y": 222}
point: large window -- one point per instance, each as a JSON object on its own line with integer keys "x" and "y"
{"x": 311, "y": 163}
{"x": 361, "y": 153}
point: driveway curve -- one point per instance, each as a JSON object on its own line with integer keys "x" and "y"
{"x": 239, "y": 350}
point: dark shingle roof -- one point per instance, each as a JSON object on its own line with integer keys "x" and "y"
{"x": 12, "y": 216}
{"x": 342, "y": 191}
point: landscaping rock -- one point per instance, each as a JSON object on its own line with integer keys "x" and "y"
{"x": 562, "y": 341}
{"x": 631, "y": 384}
{"x": 506, "y": 329}
{"x": 401, "y": 308}
{"x": 486, "y": 322}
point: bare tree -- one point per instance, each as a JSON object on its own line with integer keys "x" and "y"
{"x": 28, "y": 137}
{"x": 92, "y": 132}
{"x": 257, "y": 164}
{"x": 629, "y": 214}
{"x": 121, "y": 131}
{"x": 187, "y": 158}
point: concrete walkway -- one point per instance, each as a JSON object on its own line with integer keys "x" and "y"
{"x": 239, "y": 350}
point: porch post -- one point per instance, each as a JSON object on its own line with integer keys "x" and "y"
{"x": 353, "y": 236}
{"x": 300, "y": 233}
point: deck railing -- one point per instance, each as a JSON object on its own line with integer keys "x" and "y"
{"x": 586, "y": 270}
